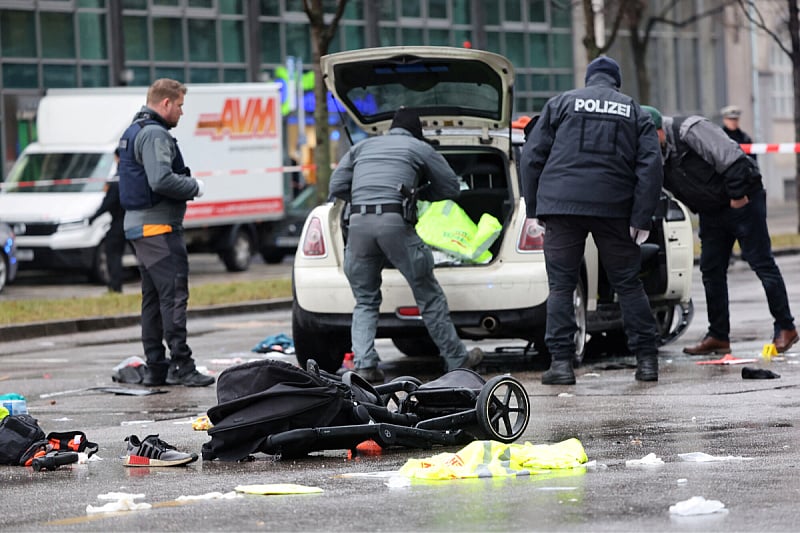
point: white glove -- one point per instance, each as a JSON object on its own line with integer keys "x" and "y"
{"x": 639, "y": 235}
{"x": 538, "y": 223}
{"x": 201, "y": 188}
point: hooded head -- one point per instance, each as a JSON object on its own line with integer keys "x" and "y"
{"x": 408, "y": 119}
{"x": 655, "y": 114}
{"x": 605, "y": 65}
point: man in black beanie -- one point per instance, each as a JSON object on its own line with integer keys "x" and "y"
{"x": 369, "y": 177}
{"x": 592, "y": 164}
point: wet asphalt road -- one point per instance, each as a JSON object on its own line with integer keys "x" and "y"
{"x": 693, "y": 408}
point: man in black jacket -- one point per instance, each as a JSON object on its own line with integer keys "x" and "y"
{"x": 115, "y": 236}
{"x": 710, "y": 173}
{"x": 591, "y": 164}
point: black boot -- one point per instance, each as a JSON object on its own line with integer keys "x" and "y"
{"x": 560, "y": 373}
{"x": 647, "y": 367}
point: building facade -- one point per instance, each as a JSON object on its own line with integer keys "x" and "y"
{"x": 44, "y": 44}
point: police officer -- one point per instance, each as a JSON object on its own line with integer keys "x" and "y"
{"x": 368, "y": 176}
{"x": 592, "y": 164}
{"x": 154, "y": 187}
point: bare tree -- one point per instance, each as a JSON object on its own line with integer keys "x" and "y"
{"x": 784, "y": 29}
{"x": 321, "y": 36}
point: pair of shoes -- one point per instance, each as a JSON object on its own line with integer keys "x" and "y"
{"x": 187, "y": 375}
{"x": 708, "y": 346}
{"x": 560, "y": 373}
{"x": 153, "y": 451}
{"x": 473, "y": 358}
{"x": 372, "y": 374}
{"x": 785, "y": 339}
{"x": 647, "y": 367}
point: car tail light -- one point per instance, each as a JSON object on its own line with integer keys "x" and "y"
{"x": 531, "y": 238}
{"x": 314, "y": 242}
{"x": 408, "y": 312}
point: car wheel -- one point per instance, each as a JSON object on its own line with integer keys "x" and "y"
{"x": 3, "y": 271}
{"x": 417, "y": 346}
{"x": 325, "y": 347}
{"x": 579, "y": 305}
{"x": 672, "y": 321}
{"x": 272, "y": 255}
{"x": 99, "y": 272}
{"x": 237, "y": 257}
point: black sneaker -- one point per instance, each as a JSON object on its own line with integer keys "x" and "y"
{"x": 153, "y": 451}
{"x": 188, "y": 376}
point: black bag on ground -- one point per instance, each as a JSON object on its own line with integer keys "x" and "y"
{"x": 18, "y": 434}
{"x": 260, "y": 398}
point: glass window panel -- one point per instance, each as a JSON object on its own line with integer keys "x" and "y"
{"x": 293, "y": 5}
{"x": 522, "y": 105}
{"x": 94, "y": 76}
{"x": 388, "y": 10}
{"x": 387, "y": 36}
{"x": 141, "y": 76}
{"x": 270, "y": 8}
{"x": 298, "y": 41}
{"x": 165, "y": 2}
{"x": 271, "y": 43}
{"x": 92, "y": 3}
{"x": 136, "y": 44}
{"x": 410, "y": 8}
{"x": 336, "y": 43}
{"x": 564, "y": 82}
{"x": 203, "y": 75}
{"x": 134, "y": 4}
{"x": 176, "y": 73}
{"x": 167, "y": 39}
{"x": 513, "y": 11}
{"x": 537, "y": 12}
{"x": 58, "y": 35}
{"x": 202, "y": 39}
{"x": 540, "y": 82}
{"x": 17, "y": 34}
{"x": 437, "y": 9}
{"x": 562, "y": 50}
{"x": 17, "y": 76}
{"x": 538, "y": 46}
{"x": 439, "y": 37}
{"x": 462, "y": 12}
{"x": 412, "y": 36}
{"x": 462, "y": 36}
{"x": 538, "y": 103}
{"x": 560, "y": 14}
{"x": 232, "y": 41}
{"x": 493, "y": 42}
{"x": 231, "y": 75}
{"x": 233, "y": 7}
{"x": 492, "y": 14}
{"x": 354, "y": 10}
{"x": 201, "y": 3}
{"x": 354, "y": 37}
{"x": 92, "y": 35}
{"x": 59, "y": 76}
{"x": 515, "y": 47}
{"x": 521, "y": 81}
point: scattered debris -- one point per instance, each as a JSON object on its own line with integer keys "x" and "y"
{"x": 697, "y": 505}
{"x": 120, "y": 501}
{"x": 277, "y": 488}
{"x": 758, "y": 373}
{"x": 648, "y": 460}
{"x": 700, "y": 457}
{"x": 728, "y": 359}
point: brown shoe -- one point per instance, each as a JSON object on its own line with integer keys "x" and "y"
{"x": 708, "y": 346}
{"x": 785, "y": 339}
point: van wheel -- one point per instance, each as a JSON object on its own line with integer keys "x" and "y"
{"x": 325, "y": 347}
{"x": 99, "y": 272}
{"x": 272, "y": 255}
{"x": 237, "y": 257}
{"x": 422, "y": 346}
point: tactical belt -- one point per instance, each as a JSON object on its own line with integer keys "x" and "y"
{"x": 376, "y": 209}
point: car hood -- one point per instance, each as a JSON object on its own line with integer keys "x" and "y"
{"x": 448, "y": 87}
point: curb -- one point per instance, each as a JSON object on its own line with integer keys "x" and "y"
{"x": 67, "y": 327}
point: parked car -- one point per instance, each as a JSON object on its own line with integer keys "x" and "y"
{"x": 8, "y": 255}
{"x": 464, "y": 98}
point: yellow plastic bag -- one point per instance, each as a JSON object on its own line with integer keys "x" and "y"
{"x": 446, "y": 226}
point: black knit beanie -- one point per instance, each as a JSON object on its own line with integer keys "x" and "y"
{"x": 408, "y": 119}
{"x": 606, "y": 65}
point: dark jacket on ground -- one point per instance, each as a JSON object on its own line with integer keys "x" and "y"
{"x": 703, "y": 167}
{"x": 593, "y": 152}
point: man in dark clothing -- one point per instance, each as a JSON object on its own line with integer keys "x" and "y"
{"x": 155, "y": 185}
{"x": 115, "y": 236}
{"x": 711, "y": 174}
{"x": 368, "y": 176}
{"x": 730, "y": 125}
{"x": 591, "y": 164}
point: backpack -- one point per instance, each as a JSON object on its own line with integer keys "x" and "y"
{"x": 19, "y": 435}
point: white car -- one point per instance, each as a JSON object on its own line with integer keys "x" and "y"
{"x": 464, "y": 99}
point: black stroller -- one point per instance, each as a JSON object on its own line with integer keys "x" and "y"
{"x": 275, "y": 408}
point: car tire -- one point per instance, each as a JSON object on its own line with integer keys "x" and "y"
{"x": 417, "y": 346}
{"x": 272, "y": 255}
{"x": 581, "y": 335}
{"x": 325, "y": 347}
{"x": 3, "y": 271}
{"x": 99, "y": 272}
{"x": 239, "y": 254}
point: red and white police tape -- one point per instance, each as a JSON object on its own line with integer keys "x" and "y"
{"x": 779, "y": 148}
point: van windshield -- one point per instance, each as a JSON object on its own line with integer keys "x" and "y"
{"x": 59, "y": 172}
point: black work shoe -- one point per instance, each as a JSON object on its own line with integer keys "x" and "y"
{"x": 372, "y": 374}
{"x": 188, "y": 376}
{"x": 154, "y": 376}
{"x": 473, "y": 358}
{"x": 560, "y": 373}
{"x": 153, "y": 451}
{"x": 647, "y": 368}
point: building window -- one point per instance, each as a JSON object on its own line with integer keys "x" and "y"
{"x": 58, "y": 35}
{"x": 202, "y": 40}
{"x": 137, "y": 46}
{"x": 167, "y": 39}
{"x": 782, "y": 88}
{"x": 92, "y": 35}
{"x": 59, "y": 76}
{"x": 233, "y": 41}
{"x": 18, "y": 34}
{"x": 94, "y": 76}
{"x": 271, "y": 43}
{"x": 20, "y": 76}
{"x": 298, "y": 41}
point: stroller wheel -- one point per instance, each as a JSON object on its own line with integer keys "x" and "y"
{"x": 503, "y": 409}
{"x": 396, "y": 391}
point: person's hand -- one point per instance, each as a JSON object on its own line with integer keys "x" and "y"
{"x": 639, "y": 235}
{"x": 538, "y": 223}
{"x": 201, "y": 188}
{"x": 736, "y": 203}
